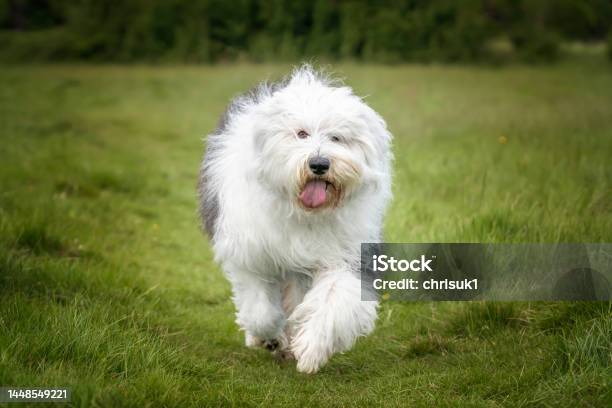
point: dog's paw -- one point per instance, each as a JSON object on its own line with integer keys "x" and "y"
{"x": 310, "y": 363}
{"x": 283, "y": 355}
{"x": 252, "y": 341}
{"x": 310, "y": 354}
{"x": 256, "y": 342}
{"x": 271, "y": 344}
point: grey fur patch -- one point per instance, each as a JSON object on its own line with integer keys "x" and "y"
{"x": 209, "y": 202}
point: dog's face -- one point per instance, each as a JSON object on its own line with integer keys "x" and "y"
{"x": 319, "y": 146}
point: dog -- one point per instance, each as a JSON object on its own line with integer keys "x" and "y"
{"x": 295, "y": 177}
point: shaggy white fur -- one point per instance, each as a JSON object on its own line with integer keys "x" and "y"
{"x": 295, "y": 178}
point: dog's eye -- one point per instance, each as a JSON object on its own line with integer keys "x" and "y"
{"x": 335, "y": 138}
{"x": 302, "y": 134}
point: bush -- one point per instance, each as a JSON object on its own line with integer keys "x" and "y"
{"x": 42, "y": 45}
{"x": 536, "y": 45}
{"x": 213, "y": 30}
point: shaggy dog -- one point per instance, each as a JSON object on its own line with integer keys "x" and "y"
{"x": 294, "y": 179}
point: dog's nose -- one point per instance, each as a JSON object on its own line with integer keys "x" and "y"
{"x": 319, "y": 165}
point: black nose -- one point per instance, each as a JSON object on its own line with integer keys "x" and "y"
{"x": 319, "y": 165}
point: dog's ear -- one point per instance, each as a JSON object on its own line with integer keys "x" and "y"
{"x": 380, "y": 136}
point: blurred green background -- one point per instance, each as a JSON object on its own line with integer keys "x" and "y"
{"x": 365, "y": 30}
{"x": 108, "y": 286}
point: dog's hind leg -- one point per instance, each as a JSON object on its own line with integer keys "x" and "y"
{"x": 294, "y": 289}
{"x": 330, "y": 318}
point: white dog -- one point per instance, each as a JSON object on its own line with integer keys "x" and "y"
{"x": 294, "y": 179}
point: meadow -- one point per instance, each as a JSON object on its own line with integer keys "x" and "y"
{"x": 108, "y": 286}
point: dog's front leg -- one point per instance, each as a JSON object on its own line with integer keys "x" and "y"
{"x": 259, "y": 309}
{"x": 330, "y": 319}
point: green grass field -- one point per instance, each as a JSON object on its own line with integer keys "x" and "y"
{"x": 107, "y": 285}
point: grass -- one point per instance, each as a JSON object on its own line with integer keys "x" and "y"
{"x": 107, "y": 285}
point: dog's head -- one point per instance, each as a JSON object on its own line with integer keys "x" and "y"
{"x": 318, "y": 144}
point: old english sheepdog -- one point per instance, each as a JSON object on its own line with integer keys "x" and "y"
{"x": 294, "y": 179}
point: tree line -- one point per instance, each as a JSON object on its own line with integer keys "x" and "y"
{"x": 364, "y": 30}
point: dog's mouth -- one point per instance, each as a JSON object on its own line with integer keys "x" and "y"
{"x": 317, "y": 193}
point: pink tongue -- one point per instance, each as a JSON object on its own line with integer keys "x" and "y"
{"x": 314, "y": 194}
